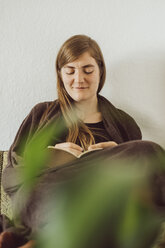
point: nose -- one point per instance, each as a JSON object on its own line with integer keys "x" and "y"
{"x": 79, "y": 76}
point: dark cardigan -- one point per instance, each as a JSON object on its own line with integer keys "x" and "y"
{"x": 120, "y": 126}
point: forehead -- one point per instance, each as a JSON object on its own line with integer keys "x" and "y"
{"x": 82, "y": 60}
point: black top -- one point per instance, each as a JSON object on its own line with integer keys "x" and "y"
{"x": 99, "y": 132}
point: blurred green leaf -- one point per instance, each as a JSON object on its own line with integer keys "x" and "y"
{"x": 104, "y": 204}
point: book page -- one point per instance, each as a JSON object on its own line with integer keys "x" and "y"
{"x": 77, "y": 156}
{"x": 90, "y": 151}
{"x": 58, "y": 157}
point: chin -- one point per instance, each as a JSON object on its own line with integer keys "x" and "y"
{"x": 79, "y": 98}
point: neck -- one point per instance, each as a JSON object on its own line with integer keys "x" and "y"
{"x": 85, "y": 109}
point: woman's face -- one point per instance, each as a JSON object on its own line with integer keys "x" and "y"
{"x": 81, "y": 78}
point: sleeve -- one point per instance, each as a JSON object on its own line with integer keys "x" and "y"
{"x": 11, "y": 174}
{"x": 129, "y": 127}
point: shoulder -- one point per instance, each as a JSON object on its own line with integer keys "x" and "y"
{"x": 130, "y": 125}
{"x": 124, "y": 122}
{"x": 31, "y": 123}
{"x": 43, "y": 106}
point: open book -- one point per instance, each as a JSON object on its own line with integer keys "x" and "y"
{"x": 59, "y": 157}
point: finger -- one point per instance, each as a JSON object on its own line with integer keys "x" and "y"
{"x": 108, "y": 144}
{"x": 91, "y": 147}
{"x": 69, "y": 145}
{"x": 102, "y": 145}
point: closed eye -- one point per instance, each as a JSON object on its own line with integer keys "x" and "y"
{"x": 86, "y": 72}
{"x": 88, "y": 69}
{"x": 69, "y": 73}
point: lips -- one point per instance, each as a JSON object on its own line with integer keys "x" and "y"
{"x": 80, "y": 88}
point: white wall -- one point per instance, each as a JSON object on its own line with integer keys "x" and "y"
{"x": 130, "y": 33}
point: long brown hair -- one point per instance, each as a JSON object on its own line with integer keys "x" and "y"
{"x": 70, "y": 51}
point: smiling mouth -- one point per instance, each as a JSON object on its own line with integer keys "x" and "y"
{"x": 80, "y": 88}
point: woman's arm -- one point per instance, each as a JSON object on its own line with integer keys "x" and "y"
{"x": 11, "y": 175}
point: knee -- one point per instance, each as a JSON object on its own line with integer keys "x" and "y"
{"x": 145, "y": 147}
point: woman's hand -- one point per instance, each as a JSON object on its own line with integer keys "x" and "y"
{"x": 70, "y": 147}
{"x": 102, "y": 145}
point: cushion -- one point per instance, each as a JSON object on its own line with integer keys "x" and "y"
{"x": 5, "y": 202}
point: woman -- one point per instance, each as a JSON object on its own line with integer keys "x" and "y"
{"x": 81, "y": 75}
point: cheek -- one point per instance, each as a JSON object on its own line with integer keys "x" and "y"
{"x": 66, "y": 81}
{"x": 67, "y": 86}
{"x": 96, "y": 75}
{"x": 96, "y": 79}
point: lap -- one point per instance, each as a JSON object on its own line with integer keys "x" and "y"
{"x": 33, "y": 213}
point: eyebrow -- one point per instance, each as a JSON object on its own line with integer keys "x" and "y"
{"x": 85, "y": 66}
